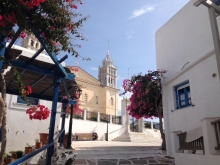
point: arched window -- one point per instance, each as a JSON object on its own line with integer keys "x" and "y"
{"x": 32, "y": 42}
{"x": 85, "y": 98}
{"x": 37, "y": 45}
{"x": 96, "y": 100}
{"x": 112, "y": 101}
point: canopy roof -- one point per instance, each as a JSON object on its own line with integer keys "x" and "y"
{"x": 38, "y": 74}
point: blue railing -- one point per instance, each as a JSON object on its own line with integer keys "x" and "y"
{"x": 26, "y": 157}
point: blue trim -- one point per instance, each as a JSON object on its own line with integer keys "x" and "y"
{"x": 33, "y": 101}
{"x": 50, "y": 150}
{"x": 185, "y": 93}
{"x": 52, "y": 55}
{"x": 35, "y": 55}
{"x": 33, "y": 68}
{"x": 3, "y": 40}
{"x": 72, "y": 102}
{"x": 63, "y": 58}
{"x": 26, "y": 157}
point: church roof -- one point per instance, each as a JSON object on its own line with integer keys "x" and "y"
{"x": 107, "y": 60}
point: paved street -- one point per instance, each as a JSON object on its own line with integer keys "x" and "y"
{"x": 120, "y": 153}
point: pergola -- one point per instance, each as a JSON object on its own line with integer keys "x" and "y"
{"x": 48, "y": 81}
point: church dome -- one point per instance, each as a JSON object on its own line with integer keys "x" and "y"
{"x": 107, "y": 60}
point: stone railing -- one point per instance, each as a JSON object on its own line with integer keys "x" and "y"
{"x": 99, "y": 117}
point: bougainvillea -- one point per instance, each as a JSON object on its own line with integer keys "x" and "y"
{"x": 77, "y": 110}
{"x": 56, "y": 20}
{"x": 39, "y": 112}
{"x": 145, "y": 90}
{"x": 146, "y": 97}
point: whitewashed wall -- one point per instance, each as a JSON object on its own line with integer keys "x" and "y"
{"x": 22, "y": 130}
{"x": 86, "y": 126}
{"x": 187, "y": 38}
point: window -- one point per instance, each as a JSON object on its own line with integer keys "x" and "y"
{"x": 32, "y": 101}
{"x": 96, "y": 100}
{"x": 85, "y": 98}
{"x": 36, "y": 45}
{"x": 32, "y": 43}
{"x": 112, "y": 101}
{"x": 183, "y": 96}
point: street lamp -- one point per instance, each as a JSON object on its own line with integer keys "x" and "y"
{"x": 73, "y": 97}
{"x": 107, "y": 128}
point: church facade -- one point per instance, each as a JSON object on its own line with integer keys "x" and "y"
{"x": 99, "y": 95}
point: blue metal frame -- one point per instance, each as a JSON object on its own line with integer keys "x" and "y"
{"x": 26, "y": 157}
{"x": 3, "y": 40}
{"x": 51, "y": 54}
{"x": 177, "y": 94}
{"x": 50, "y": 150}
{"x": 64, "y": 107}
{"x": 58, "y": 75}
{"x": 13, "y": 40}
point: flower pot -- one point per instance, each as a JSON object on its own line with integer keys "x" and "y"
{"x": 38, "y": 145}
{"x": 44, "y": 138}
{"x": 65, "y": 140}
{"x": 28, "y": 150}
{"x": 19, "y": 154}
{"x": 9, "y": 160}
{"x": 14, "y": 155}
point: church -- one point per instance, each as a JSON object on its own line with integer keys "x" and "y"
{"x": 98, "y": 95}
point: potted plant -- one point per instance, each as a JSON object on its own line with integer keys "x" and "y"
{"x": 44, "y": 137}
{"x": 38, "y": 144}
{"x": 13, "y": 154}
{"x": 8, "y": 159}
{"x": 19, "y": 154}
{"x": 28, "y": 149}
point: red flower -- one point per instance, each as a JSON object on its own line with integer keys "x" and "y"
{"x": 28, "y": 90}
{"x": 39, "y": 112}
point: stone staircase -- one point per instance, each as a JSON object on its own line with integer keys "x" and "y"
{"x": 137, "y": 137}
{"x": 123, "y": 138}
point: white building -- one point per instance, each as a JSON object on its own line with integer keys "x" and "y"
{"x": 191, "y": 88}
{"x": 22, "y": 131}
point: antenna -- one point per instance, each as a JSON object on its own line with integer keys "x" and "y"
{"x": 108, "y": 47}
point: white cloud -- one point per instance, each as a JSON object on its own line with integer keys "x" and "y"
{"x": 94, "y": 68}
{"x": 143, "y": 10}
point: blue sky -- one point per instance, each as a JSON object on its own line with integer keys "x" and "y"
{"x": 130, "y": 27}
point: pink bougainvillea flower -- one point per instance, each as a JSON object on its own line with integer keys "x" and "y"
{"x": 23, "y": 35}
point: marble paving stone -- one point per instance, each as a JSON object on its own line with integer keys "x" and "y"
{"x": 165, "y": 161}
{"x": 124, "y": 162}
{"x": 148, "y": 158}
{"x": 91, "y": 162}
{"x": 106, "y": 162}
{"x": 133, "y": 159}
{"x": 152, "y": 161}
{"x": 139, "y": 161}
{"x": 80, "y": 161}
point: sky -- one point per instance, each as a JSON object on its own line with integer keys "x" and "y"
{"x": 130, "y": 27}
{"x": 127, "y": 29}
